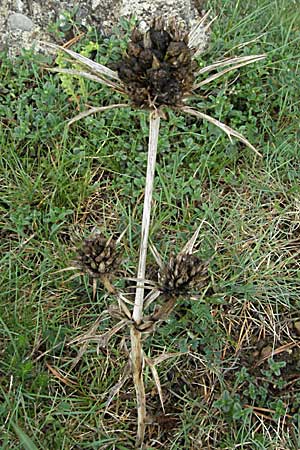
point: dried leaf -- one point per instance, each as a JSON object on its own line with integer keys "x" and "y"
{"x": 60, "y": 377}
{"x": 247, "y": 60}
{"x": 94, "y": 111}
{"x": 94, "y": 66}
{"x": 88, "y": 76}
{"x": 156, "y": 255}
{"x": 188, "y": 248}
{"x": 156, "y": 380}
{"x": 229, "y": 131}
{"x": 226, "y": 62}
{"x": 116, "y": 388}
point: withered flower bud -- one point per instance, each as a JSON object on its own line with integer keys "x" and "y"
{"x": 182, "y": 273}
{"x": 158, "y": 67}
{"x": 99, "y": 257}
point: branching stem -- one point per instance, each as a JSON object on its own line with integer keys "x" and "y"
{"x": 137, "y": 355}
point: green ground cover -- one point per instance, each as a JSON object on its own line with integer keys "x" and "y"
{"x": 237, "y": 384}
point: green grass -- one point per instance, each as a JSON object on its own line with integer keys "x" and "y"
{"x": 58, "y": 184}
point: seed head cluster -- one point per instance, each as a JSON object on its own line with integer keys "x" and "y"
{"x": 98, "y": 256}
{"x": 158, "y": 68}
{"x": 182, "y": 273}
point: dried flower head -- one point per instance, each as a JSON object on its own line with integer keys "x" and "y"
{"x": 158, "y": 67}
{"x": 99, "y": 257}
{"x": 159, "y": 70}
{"x": 182, "y": 273}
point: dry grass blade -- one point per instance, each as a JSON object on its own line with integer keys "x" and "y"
{"x": 118, "y": 241}
{"x": 123, "y": 307}
{"x": 229, "y": 131}
{"x": 257, "y": 409}
{"x": 73, "y": 40}
{"x": 123, "y": 298}
{"x": 115, "y": 389}
{"x": 198, "y": 35}
{"x": 102, "y": 339}
{"x": 83, "y": 348}
{"x": 152, "y": 150}
{"x": 154, "y": 362}
{"x": 197, "y": 31}
{"x": 151, "y": 297}
{"x": 95, "y": 67}
{"x": 207, "y": 27}
{"x": 282, "y": 348}
{"x": 165, "y": 356}
{"x": 156, "y": 380}
{"x": 79, "y": 73}
{"x": 60, "y": 377}
{"x": 89, "y": 76}
{"x": 95, "y": 110}
{"x": 229, "y": 62}
{"x": 156, "y": 256}
{"x": 95, "y": 285}
{"x": 188, "y": 248}
{"x": 220, "y": 74}
{"x": 246, "y": 43}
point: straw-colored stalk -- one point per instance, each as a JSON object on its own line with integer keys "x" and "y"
{"x": 137, "y": 366}
{"x": 152, "y": 150}
{"x": 137, "y": 356}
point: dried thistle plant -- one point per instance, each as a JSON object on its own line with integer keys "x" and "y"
{"x": 157, "y": 72}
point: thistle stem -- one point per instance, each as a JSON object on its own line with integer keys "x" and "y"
{"x": 152, "y": 150}
{"x": 137, "y": 355}
{"x": 137, "y": 363}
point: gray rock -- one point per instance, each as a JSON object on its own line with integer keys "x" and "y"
{"x": 18, "y": 21}
{"x": 145, "y": 10}
{"x": 25, "y": 22}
